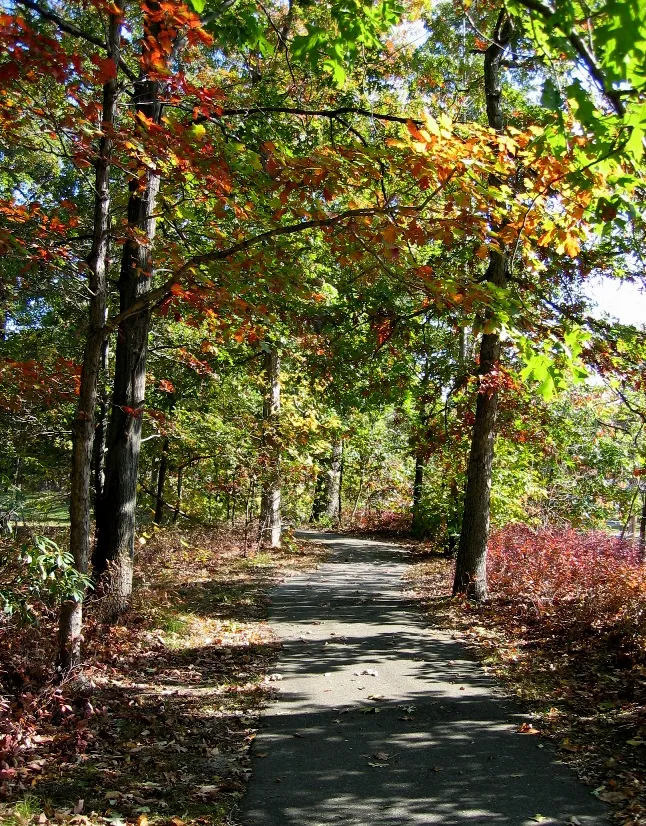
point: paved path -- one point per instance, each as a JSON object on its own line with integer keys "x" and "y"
{"x": 382, "y": 720}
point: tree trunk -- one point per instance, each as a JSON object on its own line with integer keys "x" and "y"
{"x": 116, "y": 523}
{"x": 339, "y": 498}
{"x": 362, "y": 475}
{"x": 318, "y": 504}
{"x": 161, "y": 481}
{"x": 471, "y": 563}
{"x": 71, "y": 616}
{"x": 270, "y": 515}
{"x": 417, "y": 527}
{"x": 334, "y": 482}
{"x": 101, "y": 429}
{"x": 327, "y": 496}
{"x": 180, "y": 481}
{"x": 642, "y": 529}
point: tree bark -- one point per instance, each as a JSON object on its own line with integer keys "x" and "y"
{"x": 101, "y": 429}
{"x": 116, "y": 522}
{"x": 71, "y": 616}
{"x": 334, "y": 482}
{"x": 642, "y": 528}
{"x": 417, "y": 526}
{"x": 270, "y": 513}
{"x": 471, "y": 563}
{"x": 161, "y": 481}
{"x": 327, "y": 497}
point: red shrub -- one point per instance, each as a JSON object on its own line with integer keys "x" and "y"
{"x": 586, "y": 580}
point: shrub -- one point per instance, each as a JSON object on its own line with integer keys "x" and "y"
{"x": 36, "y": 575}
{"x": 589, "y": 580}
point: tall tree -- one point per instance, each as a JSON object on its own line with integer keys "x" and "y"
{"x": 470, "y": 569}
{"x": 84, "y": 420}
{"x": 270, "y": 511}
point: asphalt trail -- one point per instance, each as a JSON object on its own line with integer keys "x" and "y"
{"x": 383, "y": 720}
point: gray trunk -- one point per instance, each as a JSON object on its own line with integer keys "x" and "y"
{"x": 270, "y": 512}
{"x": 417, "y": 527}
{"x": 71, "y": 616}
{"x": 471, "y": 562}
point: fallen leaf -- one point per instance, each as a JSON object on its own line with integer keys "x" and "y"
{"x": 527, "y": 728}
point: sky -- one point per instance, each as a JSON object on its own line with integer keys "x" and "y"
{"x": 625, "y": 302}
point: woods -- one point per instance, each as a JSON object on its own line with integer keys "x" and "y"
{"x": 271, "y": 265}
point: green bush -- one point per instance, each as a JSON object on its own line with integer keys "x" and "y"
{"x": 34, "y": 575}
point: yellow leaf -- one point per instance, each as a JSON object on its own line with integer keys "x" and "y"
{"x": 197, "y": 131}
{"x": 431, "y": 124}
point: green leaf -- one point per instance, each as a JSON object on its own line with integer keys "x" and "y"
{"x": 551, "y": 98}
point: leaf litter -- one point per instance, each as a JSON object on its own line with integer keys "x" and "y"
{"x": 166, "y": 709}
{"x": 583, "y": 685}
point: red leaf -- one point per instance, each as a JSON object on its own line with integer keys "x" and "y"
{"x": 106, "y": 66}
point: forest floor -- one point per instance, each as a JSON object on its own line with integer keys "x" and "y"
{"x": 158, "y": 726}
{"x": 580, "y": 690}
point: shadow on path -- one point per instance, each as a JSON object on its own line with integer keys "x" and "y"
{"x": 382, "y": 720}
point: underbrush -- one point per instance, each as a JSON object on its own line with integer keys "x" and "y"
{"x": 565, "y": 630}
{"x": 577, "y": 583}
{"x": 387, "y": 524}
{"x": 157, "y": 727}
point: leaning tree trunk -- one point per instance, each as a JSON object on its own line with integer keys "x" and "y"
{"x": 71, "y": 615}
{"x": 270, "y": 513}
{"x": 116, "y": 523}
{"x": 471, "y": 563}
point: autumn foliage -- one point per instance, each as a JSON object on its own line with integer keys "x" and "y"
{"x": 576, "y": 582}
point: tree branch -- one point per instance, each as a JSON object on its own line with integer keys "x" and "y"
{"x": 586, "y": 55}
{"x": 318, "y": 113}
{"x": 163, "y": 292}
{"x": 71, "y": 28}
